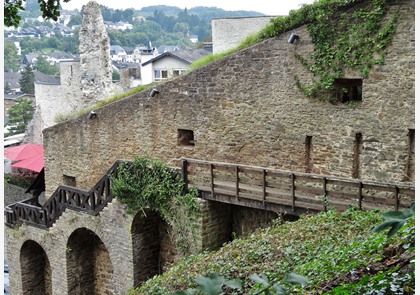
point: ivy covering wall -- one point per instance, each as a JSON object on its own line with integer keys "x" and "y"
{"x": 149, "y": 183}
{"x": 346, "y": 38}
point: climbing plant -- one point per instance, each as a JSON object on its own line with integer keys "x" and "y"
{"x": 347, "y": 37}
{"x": 149, "y": 183}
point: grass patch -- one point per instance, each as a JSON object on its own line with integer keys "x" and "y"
{"x": 321, "y": 248}
{"x": 64, "y": 117}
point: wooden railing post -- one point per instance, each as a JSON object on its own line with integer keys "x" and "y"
{"x": 324, "y": 187}
{"x": 237, "y": 182}
{"x": 264, "y": 174}
{"x": 293, "y": 191}
{"x": 360, "y": 195}
{"x": 212, "y": 179}
{"x": 397, "y": 200}
{"x": 185, "y": 175}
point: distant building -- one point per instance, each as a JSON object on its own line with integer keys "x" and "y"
{"x": 122, "y": 26}
{"x": 172, "y": 64}
{"x": 117, "y": 53}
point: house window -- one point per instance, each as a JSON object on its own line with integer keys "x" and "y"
{"x": 178, "y": 72}
{"x": 69, "y": 180}
{"x": 186, "y": 137}
{"x": 161, "y": 75}
{"x": 348, "y": 90}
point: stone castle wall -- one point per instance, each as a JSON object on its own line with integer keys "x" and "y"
{"x": 83, "y": 83}
{"x": 65, "y": 98}
{"x": 53, "y": 100}
{"x": 246, "y": 108}
{"x": 111, "y": 252}
{"x": 112, "y": 226}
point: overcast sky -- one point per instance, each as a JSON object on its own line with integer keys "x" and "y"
{"x": 268, "y": 7}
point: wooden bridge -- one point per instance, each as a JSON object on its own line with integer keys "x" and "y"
{"x": 291, "y": 192}
{"x": 250, "y": 186}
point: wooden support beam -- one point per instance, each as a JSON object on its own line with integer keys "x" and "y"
{"x": 212, "y": 179}
{"x": 360, "y": 195}
{"x": 292, "y": 177}
{"x": 397, "y": 198}
{"x": 185, "y": 175}
{"x": 237, "y": 182}
{"x": 264, "y": 184}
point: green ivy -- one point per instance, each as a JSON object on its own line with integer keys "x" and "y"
{"x": 149, "y": 183}
{"x": 354, "y": 38}
{"x": 322, "y": 247}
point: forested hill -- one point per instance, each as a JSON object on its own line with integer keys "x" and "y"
{"x": 203, "y": 12}
{"x": 158, "y": 24}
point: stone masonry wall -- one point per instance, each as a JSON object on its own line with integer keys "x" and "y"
{"x": 227, "y": 33}
{"x": 112, "y": 226}
{"x": 94, "y": 48}
{"x": 53, "y": 100}
{"x": 247, "y": 220}
{"x": 246, "y": 108}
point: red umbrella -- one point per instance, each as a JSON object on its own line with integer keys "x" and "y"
{"x": 23, "y": 151}
{"x": 35, "y": 163}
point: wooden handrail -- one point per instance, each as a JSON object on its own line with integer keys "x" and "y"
{"x": 250, "y": 183}
{"x": 304, "y": 190}
{"x": 92, "y": 202}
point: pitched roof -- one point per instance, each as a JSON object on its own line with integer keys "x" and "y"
{"x": 45, "y": 79}
{"x": 115, "y": 49}
{"x": 188, "y": 56}
{"x": 13, "y": 79}
{"x": 61, "y": 55}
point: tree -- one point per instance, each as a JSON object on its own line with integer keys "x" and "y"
{"x": 27, "y": 80}
{"x": 7, "y": 88}
{"x": 75, "y": 20}
{"x": 43, "y": 66}
{"x": 20, "y": 115}
{"x": 115, "y": 76}
{"x": 11, "y": 59}
{"x": 181, "y": 27}
{"x": 50, "y": 10}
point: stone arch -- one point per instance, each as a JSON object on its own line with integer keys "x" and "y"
{"x": 153, "y": 249}
{"x": 89, "y": 267}
{"x": 35, "y": 269}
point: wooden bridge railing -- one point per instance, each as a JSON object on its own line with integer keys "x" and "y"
{"x": 269, "y": 188}
{"x": 250, "y": 186}
{"x": 92, "y": 202}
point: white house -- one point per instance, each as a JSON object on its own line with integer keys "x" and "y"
{"x": 117, "y": 53}
{"x": 171, "y": 64}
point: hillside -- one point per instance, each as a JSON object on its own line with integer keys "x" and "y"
{"x": 205, "y": 13}
{"x": 337, "y": 252}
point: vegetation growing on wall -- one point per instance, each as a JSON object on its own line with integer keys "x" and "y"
{"x": 350, "y": 38}
{"x": 147, "y": 183}
{"x": 343, "y": 37}
{"x": 337, "y": 252}
{"x": 63, "y": 117}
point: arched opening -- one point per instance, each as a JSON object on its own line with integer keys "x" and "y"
{"x": 35, "y": 269}
{"x": 153, "y": 249}
{"x": 89, "y": 267}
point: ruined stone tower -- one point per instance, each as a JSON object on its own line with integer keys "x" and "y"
{"x": 82, "y": 83}
{"x": 95, "y": 61}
